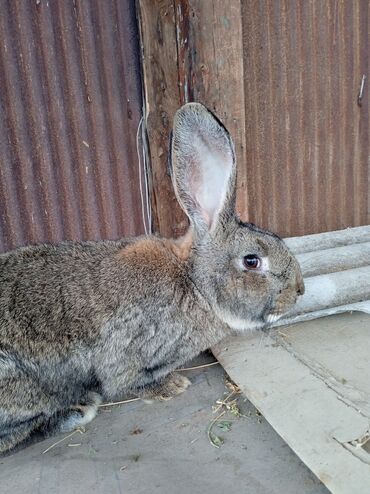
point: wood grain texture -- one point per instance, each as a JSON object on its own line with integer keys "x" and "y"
{"x": 184, "y": 60}
{"x": 162, "y": 99}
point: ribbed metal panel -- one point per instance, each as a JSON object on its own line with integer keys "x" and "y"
{"x": 70, "y": 103}
{"x": 307, "y": 138}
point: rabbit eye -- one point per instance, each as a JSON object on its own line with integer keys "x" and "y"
{"x": 252, "y": 261}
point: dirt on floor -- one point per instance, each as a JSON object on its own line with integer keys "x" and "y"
{"x": 165, "y": 448}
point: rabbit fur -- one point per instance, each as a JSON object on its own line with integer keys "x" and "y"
{"x": 82, "y": 321}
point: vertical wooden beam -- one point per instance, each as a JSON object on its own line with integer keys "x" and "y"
{"x": 192, "y": 51}
{"x": 210, "y": 49}
{"x": 161, "y": 93}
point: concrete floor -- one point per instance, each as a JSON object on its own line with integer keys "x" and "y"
{"x": 163, "y": 449}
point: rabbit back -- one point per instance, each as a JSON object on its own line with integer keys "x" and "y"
{"x": 51, "y": 296}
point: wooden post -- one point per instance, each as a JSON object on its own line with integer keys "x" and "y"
{"x": 192, "y": 51}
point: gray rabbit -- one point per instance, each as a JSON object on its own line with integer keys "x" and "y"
{"x": 82, "y": 321}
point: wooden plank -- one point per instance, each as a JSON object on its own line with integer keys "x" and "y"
{"x": 310, "y": 381}
{"x": 162, "y": 98}
{"x": 211, "y": 61}
{"x": 183, "y": 60}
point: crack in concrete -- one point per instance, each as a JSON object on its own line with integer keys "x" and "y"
{"x": 358, "y": 453}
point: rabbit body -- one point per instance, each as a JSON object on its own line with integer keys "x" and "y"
{"x": 81, "y": 317}
{"x": 85, "y": 320}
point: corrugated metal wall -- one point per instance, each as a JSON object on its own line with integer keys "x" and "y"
{"x": 70, "y": 103}
{"x": 284, "y": 76}
{"x": 285, "y": 80}
{"x": 307, "y": 139}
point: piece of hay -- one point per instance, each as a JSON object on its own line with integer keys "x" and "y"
{"x": 63, "y": 439}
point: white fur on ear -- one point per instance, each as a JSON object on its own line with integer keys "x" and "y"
{"x": 203, "y": 165}
{"x": 213, "y": 181}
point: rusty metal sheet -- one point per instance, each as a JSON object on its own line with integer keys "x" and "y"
{"x": 70, "y": 105}
{"x": 307, "y": 137}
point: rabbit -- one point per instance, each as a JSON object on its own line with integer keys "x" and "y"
{"x": 86, "y": 321}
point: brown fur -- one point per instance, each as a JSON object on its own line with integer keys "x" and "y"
{"x": 85, "y": 320}
{"x": 182, "y": 246}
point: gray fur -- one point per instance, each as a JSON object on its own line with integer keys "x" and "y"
{"x": 84, "y": 319}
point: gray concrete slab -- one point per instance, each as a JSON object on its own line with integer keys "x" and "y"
{"x": 163, "y": 448}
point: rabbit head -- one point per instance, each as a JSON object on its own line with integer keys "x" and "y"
{"x": 248, "y": 274}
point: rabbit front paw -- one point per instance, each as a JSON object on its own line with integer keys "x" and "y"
{"x": 173, "y": 385}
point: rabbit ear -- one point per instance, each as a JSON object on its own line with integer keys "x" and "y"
{"x": 203, "y": 166}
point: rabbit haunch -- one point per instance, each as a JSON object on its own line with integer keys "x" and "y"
{"x": 82, "y": 321}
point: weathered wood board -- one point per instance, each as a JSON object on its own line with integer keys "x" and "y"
{"x": 311, "y": 381}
